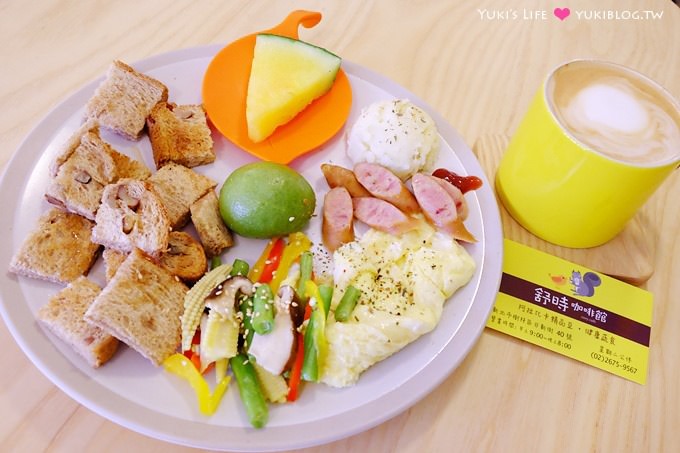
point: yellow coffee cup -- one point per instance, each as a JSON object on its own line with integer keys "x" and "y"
{"x": 597, "y": 141}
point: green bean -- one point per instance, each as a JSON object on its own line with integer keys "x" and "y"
{"x": 263, "y": 309}
{"x": 216, "y": 261}
{"x": 315, "y": 344}
{"x": 347, "y": 303}
{"x": 239, "y": 267}
{"x": 246, "y": 309}
{"x": 306, "y": 261}
{"x": 326, "y": 293}
{"x": 250, "y": 391}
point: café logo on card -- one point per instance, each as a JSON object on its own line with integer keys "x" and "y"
{"x": 582, "y": 284}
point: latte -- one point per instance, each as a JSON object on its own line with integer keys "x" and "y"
{"x": 616, "y": 112}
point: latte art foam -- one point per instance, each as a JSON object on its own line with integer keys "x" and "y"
{"x": 612, "y": 112}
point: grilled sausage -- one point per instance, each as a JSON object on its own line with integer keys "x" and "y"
{"x": 439, "y": 207}
{"x": 337, "y": 176}
{"x": 457, "y": 195}
{"x": 382, "y": 215}
{"x": 338, "y": 218}
{"x": 384, "y": 184}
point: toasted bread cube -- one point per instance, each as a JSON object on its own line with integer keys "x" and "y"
{"x": 131, "y": 216}
{"x": 59, "y": 249}
{"x": 112, "y": 261}
{"x": 82, "y": 168}
{"x": 124, "y": 99}
{"x": 180, "y": 134}
{"x": 63, "y": 316}
{"x": 214, "y": 234}
{"x": 178, "y": 187}
{"x": 185, "y": 257}
{"x": 141, "y": 306}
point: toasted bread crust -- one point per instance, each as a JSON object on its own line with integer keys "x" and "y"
{"x": 184, "y": 257}
{"x": 83, "y": 167}
{"x": 131, "y": 216}
{"x": 180, "y": 134}
{"x": 63, "y": 315}
{"x": 59, "y": 249}
{"x": 178, "y": 187}
{"x": 124, "y": 99}
{"x": 141, "y": 306}
{"x": 112, "y": 261}
{"x": 214, "y": 234}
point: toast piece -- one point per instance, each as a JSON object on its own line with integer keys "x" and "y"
{"x": 112, "y": 261}
{"x": 83, "y": 167}
{"x": 178, "y": 187}
{"x": 214, "y": 234}
{"x": 131, "y": 215}
{"x": 124, "y": 99}
{"x": 59, "y": 249}
{"x": 184, "y": 257}
{"x": 141, "y": 306}
{"x": 63, "y": 316}
{"x": 180, "y": 134}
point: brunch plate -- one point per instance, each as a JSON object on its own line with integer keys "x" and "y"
{"x": 133, "y": 393}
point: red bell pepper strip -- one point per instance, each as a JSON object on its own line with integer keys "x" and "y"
{"x": 271, "y": 263}
{"x": 296, "y": 370}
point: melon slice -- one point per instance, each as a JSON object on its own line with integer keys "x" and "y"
{"x": 286, "y": 76}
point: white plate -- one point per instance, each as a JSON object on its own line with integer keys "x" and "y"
{"x": 132, "y": 392}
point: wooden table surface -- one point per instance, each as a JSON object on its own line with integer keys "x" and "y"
{"x": 478, "y": 64}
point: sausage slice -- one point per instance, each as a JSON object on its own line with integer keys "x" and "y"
{"x": 439, "y": 207}
{"x": 337, "y": 176}
{"x": 338, "y": 218}
{"x": 384, "y": 184}
{"x": 382, "y": 215}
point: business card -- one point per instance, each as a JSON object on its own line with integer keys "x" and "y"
{"x": 574, "y": 311}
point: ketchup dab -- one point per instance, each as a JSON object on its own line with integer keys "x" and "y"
{"x": 464, "y": 183}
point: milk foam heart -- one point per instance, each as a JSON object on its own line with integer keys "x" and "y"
{"x": 615, "y": 112}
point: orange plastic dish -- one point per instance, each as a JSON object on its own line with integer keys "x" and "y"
{"x": 225, "y": 86}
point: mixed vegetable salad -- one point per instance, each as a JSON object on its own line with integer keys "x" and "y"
{"x": 266, "y": 323}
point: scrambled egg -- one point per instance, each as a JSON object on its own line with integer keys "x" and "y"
{"x": 404, "y": 281}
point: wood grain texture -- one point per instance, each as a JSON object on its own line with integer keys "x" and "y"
{"x": 480, "y": 74}
{"x": 628, "y": 257}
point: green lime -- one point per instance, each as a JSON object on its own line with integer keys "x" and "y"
{"x": 266, "y": 199}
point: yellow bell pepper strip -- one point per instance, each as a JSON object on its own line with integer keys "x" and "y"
{"x": 208, "y": 402}
{"x": 298, "y": 243}
{"x": 316, "y": 346}
{"x": 221, "y": 369}
{"x": 250, "y": 391}
{"x": 268, "y": 261}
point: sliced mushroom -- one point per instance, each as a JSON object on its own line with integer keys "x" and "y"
{"x": 287, "y": 300}
{"x": 223, "y": 298}
{"x": 275, "y": 351}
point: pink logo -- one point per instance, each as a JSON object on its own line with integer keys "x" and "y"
{"x": 561, "y": 13}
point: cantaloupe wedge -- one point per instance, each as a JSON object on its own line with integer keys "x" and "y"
{"x": 286, "y": 76}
